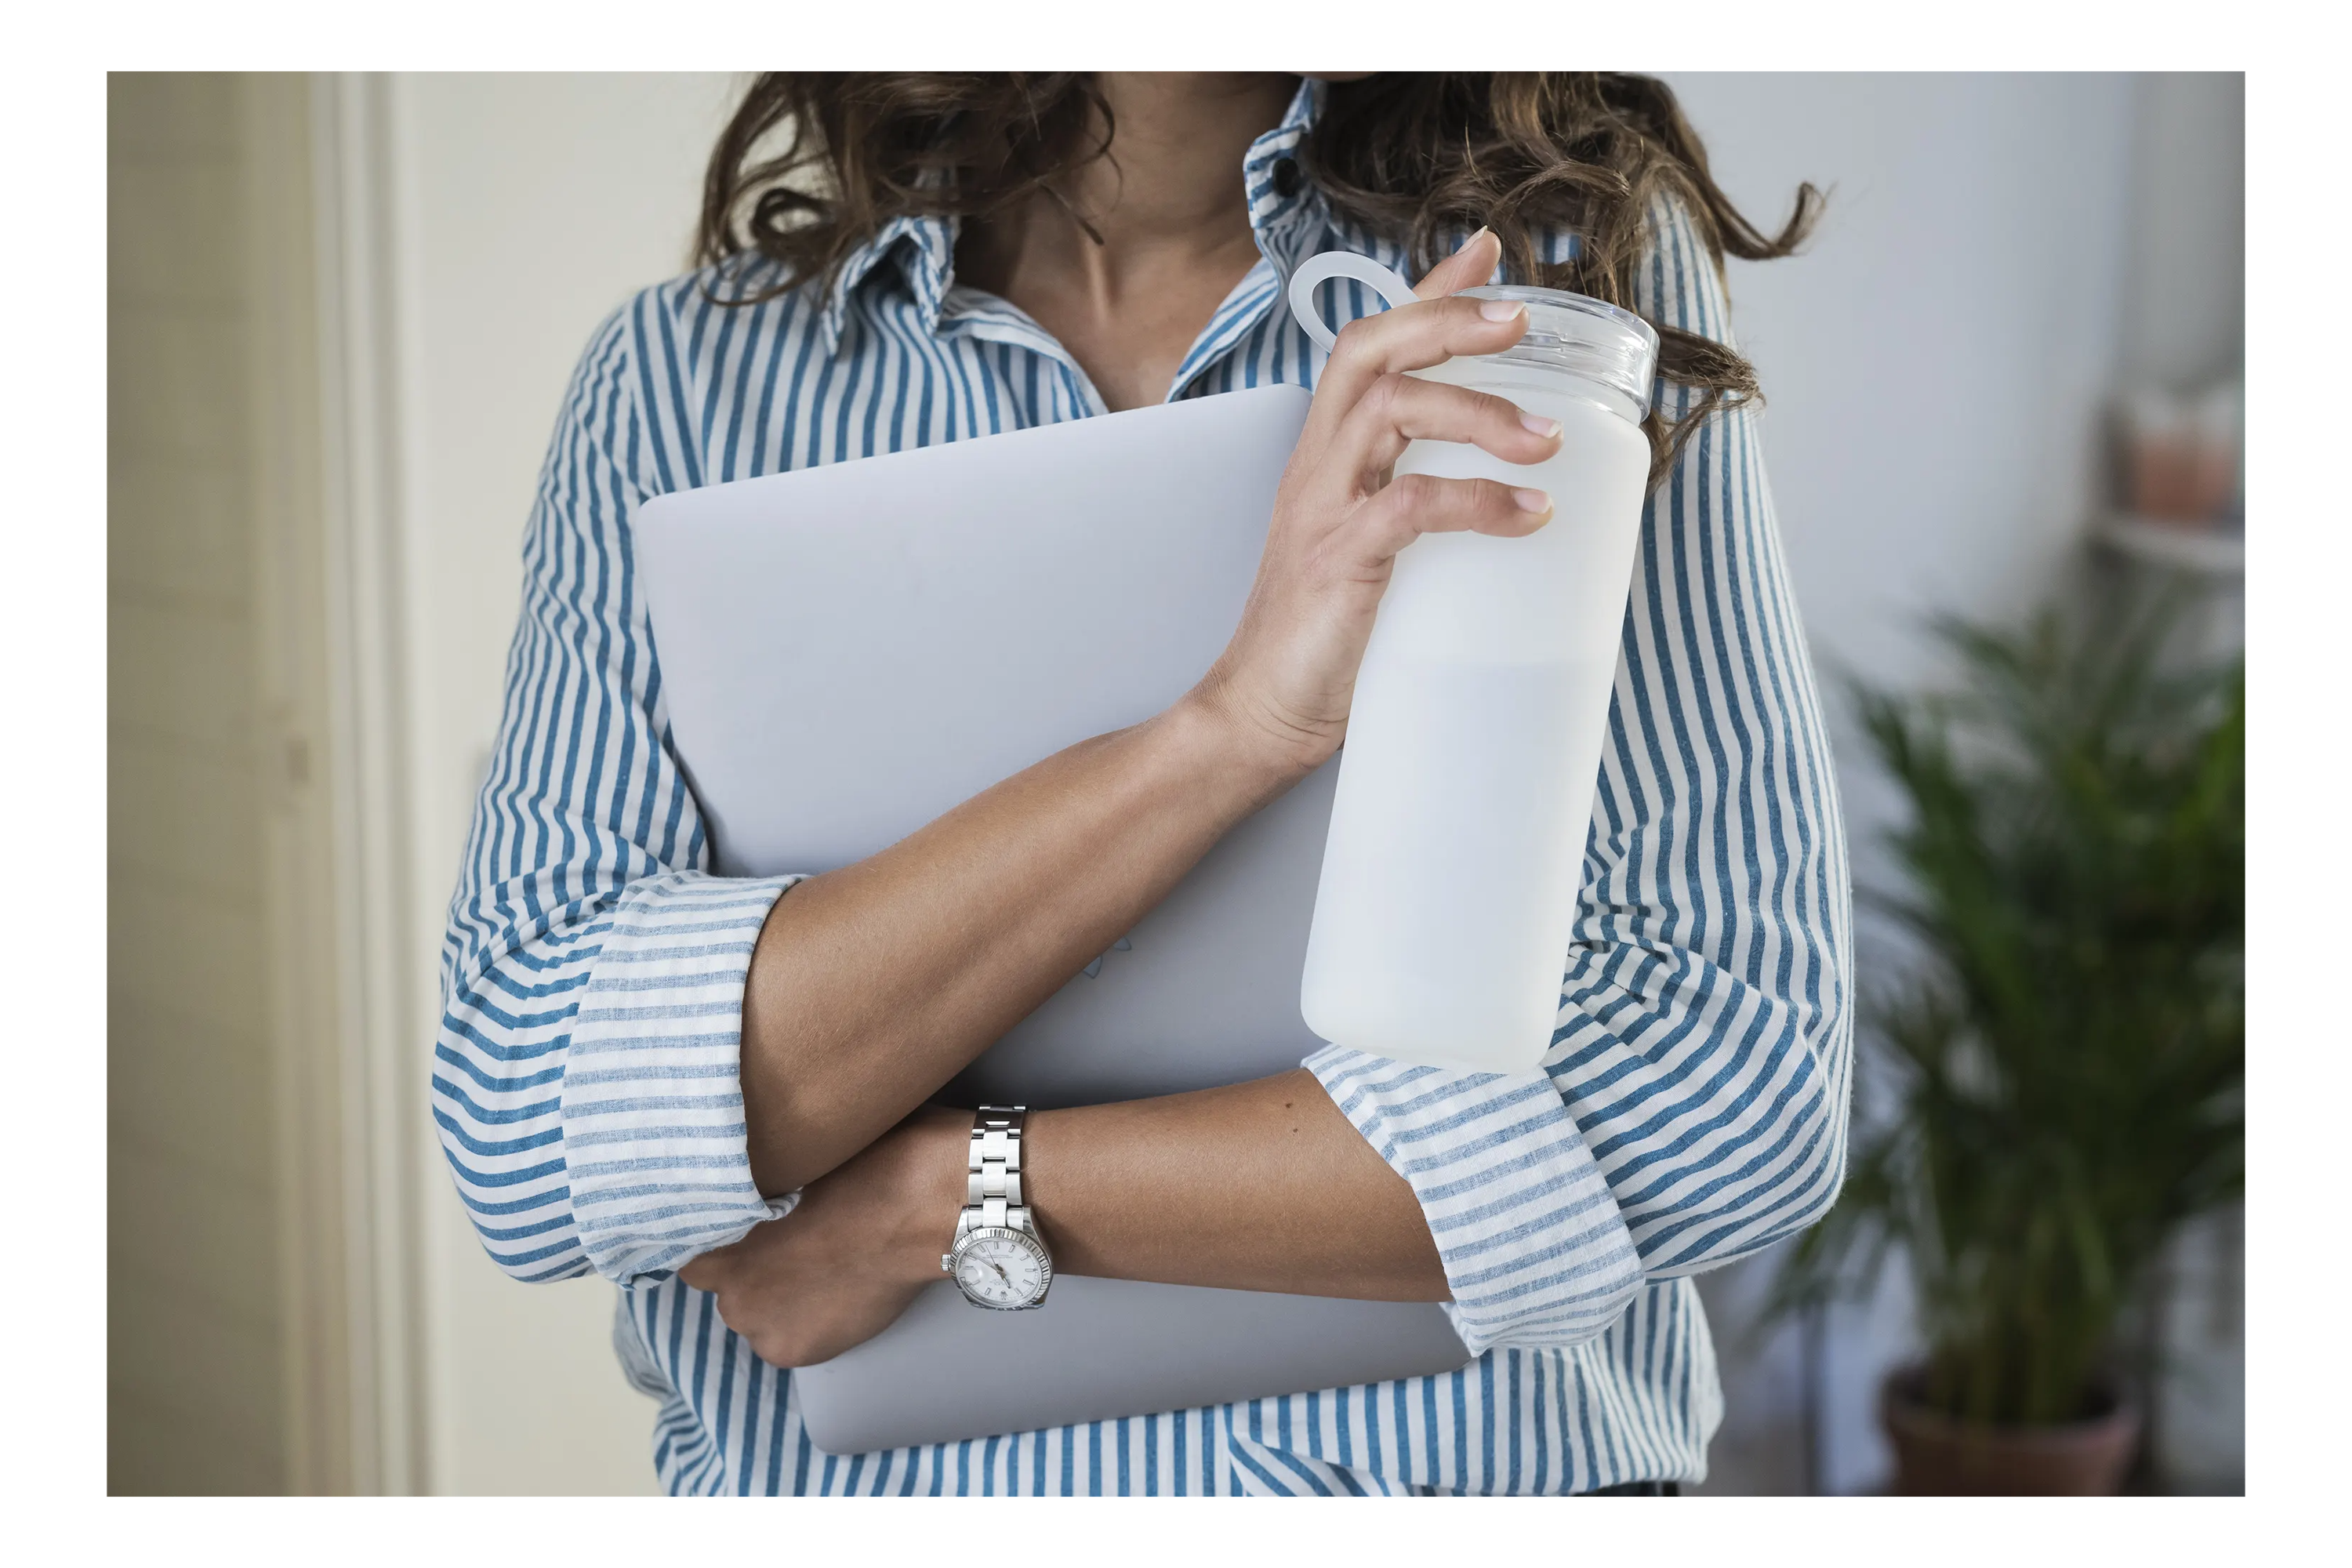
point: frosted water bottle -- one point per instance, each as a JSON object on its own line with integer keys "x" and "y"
{"x": 1450, "y": 878}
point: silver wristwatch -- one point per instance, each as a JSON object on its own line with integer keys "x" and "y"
{"x": 998, "y": 1261}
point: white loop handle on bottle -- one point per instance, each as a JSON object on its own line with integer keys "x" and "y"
{"x": 1317, "y": 269}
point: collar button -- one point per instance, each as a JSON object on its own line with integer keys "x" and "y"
{"x": 1286, "y": 178}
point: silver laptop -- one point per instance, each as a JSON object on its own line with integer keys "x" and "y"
{"x": 847, "y": 652}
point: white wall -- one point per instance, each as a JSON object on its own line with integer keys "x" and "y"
{"x": 526, "y": 208}
{"x": 2187, "y": 294}
{"x": 1935, "y": 364}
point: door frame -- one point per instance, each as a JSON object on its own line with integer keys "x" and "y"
{"x": 331, "y": 578}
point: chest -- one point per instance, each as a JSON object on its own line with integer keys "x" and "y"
{"x": 889, "y": 386}
{"x": 1131, "y": 349}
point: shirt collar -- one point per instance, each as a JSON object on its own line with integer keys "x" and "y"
{"x": 921, "y": 250}
{"x": 1287, "y": 215}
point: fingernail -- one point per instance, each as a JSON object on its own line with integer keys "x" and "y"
{"x": 1532, "y": 501}
{"x": 1502, "y": 310}
{"x": 1542, "y": 427}
{"x": 1470, "y": 241}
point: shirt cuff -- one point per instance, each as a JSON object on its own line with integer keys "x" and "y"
{"x": 1535, "y": 1250}
{"x": 653, "y": 1123}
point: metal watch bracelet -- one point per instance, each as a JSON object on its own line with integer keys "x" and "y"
{"x": 992, "y": 1173}
{"x": 994, "y": 1219}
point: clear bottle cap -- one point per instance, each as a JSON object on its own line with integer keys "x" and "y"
{"x": 1600, "y": 343}
{"x": 1584, "y": 336}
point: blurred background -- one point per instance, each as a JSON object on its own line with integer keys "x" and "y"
{"x": 2005, "y": 378}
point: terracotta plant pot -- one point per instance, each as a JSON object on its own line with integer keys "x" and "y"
{"x": 1935, "y": 1456}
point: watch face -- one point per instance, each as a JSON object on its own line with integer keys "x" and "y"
{"x": 1001, "y": 1268}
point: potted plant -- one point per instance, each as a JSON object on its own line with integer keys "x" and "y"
{"x": 2058, "y": 1083}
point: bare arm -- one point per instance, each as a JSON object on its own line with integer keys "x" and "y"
{"x": 871, "y": 986}
{"x": 1259, "y": 1186}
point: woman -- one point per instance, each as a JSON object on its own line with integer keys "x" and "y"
{"x": 643, "y": 1065}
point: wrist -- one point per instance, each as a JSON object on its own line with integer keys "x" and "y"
{"x": 929, "y": 1156}
{"x": 1215, "y": 732}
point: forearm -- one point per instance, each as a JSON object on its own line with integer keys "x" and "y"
{"x": 1259, "y": 1186}
{"x": 872, "y": 985}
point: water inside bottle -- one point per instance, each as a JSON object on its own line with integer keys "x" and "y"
{"x": 1456, "y": 854}
{"x": 1466, "y": 773}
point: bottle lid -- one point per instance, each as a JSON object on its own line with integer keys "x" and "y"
{"x": 1587, "y": 337}
{"x": 1598, "y": 341}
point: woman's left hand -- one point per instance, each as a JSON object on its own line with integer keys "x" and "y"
{"x": 853, "y": 1255}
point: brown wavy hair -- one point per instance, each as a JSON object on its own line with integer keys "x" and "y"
{"x": 1413, "y": 156}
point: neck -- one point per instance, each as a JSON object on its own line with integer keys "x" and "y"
{"x": 1170, "y": 230}
{"x": 1168, "y": 197}
{"x": 1174, "y": 171}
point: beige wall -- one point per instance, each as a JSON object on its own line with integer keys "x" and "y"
{"x": 194, "y": 1387}
{"x": 524, "y": 208}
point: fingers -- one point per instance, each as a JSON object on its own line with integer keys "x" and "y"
{"x": 1467, "y": 268}
{"x": 1414, "y": 337}
{"x": 1400, "y": 409}
{"x": 1422, "y": 504}
{"x": 706, "y": 1271}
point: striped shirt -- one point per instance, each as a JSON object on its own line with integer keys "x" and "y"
{"x": 1691, "y": 1110}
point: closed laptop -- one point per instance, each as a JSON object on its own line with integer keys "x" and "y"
{"x": 849, "y": 651}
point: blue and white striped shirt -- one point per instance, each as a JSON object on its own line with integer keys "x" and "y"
{"x": 1691, "y": 1110}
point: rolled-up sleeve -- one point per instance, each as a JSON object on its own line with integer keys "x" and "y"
{"x": 585, "y": 1069}
{"x": 1692, "y": 1108}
